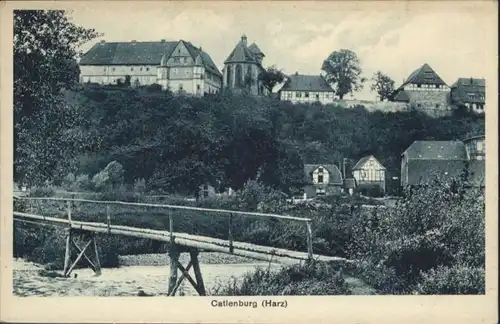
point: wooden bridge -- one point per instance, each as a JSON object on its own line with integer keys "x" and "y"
{"x": 176, "y": 242}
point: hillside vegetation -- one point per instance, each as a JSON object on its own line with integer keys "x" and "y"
{"x": 177, "y": 143}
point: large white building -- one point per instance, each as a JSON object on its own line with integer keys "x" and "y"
{"x": 299, "y": 88}
{"x": 178, "y": 66}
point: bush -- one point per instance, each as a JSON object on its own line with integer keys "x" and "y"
{"x": 457, "y": 279}
{"x": 140, "y": 186}
{"x": 430, "y": 228}
{"x": 309, "y": 279}
{"x": 47, "y": 191}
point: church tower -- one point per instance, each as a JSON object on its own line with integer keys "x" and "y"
{"x": 243, "y": 67}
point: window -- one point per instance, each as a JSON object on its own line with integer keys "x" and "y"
{"x": 307, "y": 95}
{"x": 187, "y": 72}
{"x": 320, "y": 178}
{"x": 181, "y": 87}
{"x": 113, "y": 69}
{"x": 320, "y": 192}
{"x": 479, "y": 146}
{"x": 320, "y": 170}
{"x": 419, "y": 105}
{"x": 198, "y": 87}
{"x": 437, "y": 105}
{"x": 176, "y": 60}
{"x": 147, "y": 69}
{"x": 174, "y": 71}
{"x": 104, "y": 69}
{"x": 140, "y": 69}
{"x": 298, "y": 94}
{"x": 317, "y": 96}
{"x": 131, "y": 69}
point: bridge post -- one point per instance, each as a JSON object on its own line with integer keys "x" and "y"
{"x": 174, "y": 254}
{"x": 309, "y": 241}
{"x": 67, "y": 255}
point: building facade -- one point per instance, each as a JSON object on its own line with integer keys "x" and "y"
{"x": 424, "y": 90}
{"x": 425, "y": 161}
{"x": 469, "y": 93}
{"x": 178, "y": 66}
{"x": 369, "y": 172}
{"x": 322, "y": 179}
{"x": 242, "y": 69}
{"x": 475, "y": 147}
{"x": 299, "y": 88}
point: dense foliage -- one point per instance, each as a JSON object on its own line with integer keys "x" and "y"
{"x": 177, "y": 143}
{"x": 45, "y": 50}
{"x": 343, "y": 71}
{"x": 383, "y": 85}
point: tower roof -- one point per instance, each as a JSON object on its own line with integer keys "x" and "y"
{"x": 242, "y": 54}
{"x": 255, "y": 49}
{"x": 424, "y": 75}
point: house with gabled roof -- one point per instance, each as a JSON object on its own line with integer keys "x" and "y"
{"x": 426, "y": 91}
{"x": 300, "y": 88}
{"x": 176, "y": 65}
{"x": 322, "y": 179}
{"x": 369, "y": 173}
{"x": 242, "y": 68}
{"x": 424, "y": 161}
{"x": 469, "y": 93}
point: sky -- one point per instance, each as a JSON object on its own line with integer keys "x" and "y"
{"x": 457, "y": 39}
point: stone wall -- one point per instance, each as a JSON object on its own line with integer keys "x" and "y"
{"x": 385, "y": 106}
{"x": 433, "y": 103}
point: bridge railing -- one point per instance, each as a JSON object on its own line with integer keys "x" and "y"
{"x": 230, "y": 214}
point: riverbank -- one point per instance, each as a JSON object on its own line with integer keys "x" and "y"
{"x": 148, "y": 273}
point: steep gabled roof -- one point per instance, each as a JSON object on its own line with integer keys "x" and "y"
{"x": 241, "y": 54}
{"x": 255, "y": 49}
{"x": 436, "y": 150}
{"x": 333, "y": 171}
{"x": 359, "y": 165}
{"x": 300, "y": 82}
{"x": 469, "y": 90}
{"x": 140, "y": 53}
{"x": 424, "y": 75}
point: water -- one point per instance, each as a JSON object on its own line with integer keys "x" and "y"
{"x": 123, "y": 281}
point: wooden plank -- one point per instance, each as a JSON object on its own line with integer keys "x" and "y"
{"x": 199, "y": 242}
{"x": 174, "y": 260}
{"x": 92, "y": 265}
{"x": 181, "y": 279}
{"x": 222, "y": 211}
{"x": 69, "y": 211}
{"x": 96, "y": 254}
{"x": 230, "y": 235}
{"x": 78, "y": 258}
{"x": 309, "y": 241}
{"x": 188, "y": 277}
{"x": 197, "y": 273}
{"x": 67, "y": 255}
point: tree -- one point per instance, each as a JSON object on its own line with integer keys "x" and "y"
{"x": 271, "y": 77}
{"x": 343, "y": 70}
{"x": 383, "y": 85}
{"x": 45, "y": 49}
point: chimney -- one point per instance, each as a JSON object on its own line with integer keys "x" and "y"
{"x": 244, "y": 39}
{"x": 201, "y": 50}
{"x": 103, "y": 41}
{"x": 163, "y": 40}
{"x": 296, "y": 73}
{"x": 133, "y": 41}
